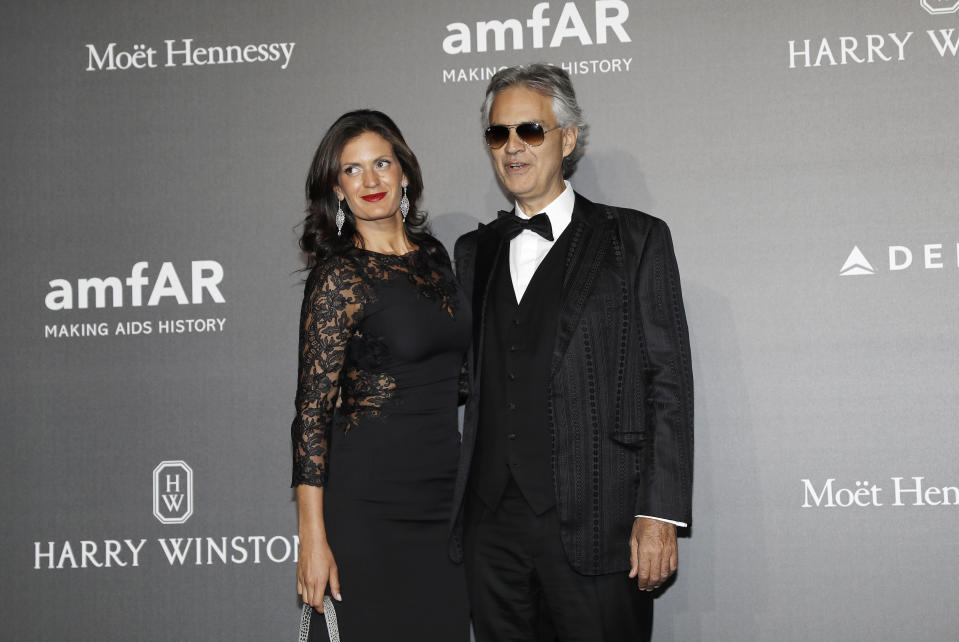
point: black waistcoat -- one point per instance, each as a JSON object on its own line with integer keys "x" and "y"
{"x": 513, "y": 439}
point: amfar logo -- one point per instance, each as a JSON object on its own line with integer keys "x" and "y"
{"x": 938, "y": 7}
{"x": 900, "y": 258}
{"x": 205, "y": 276}
{"x": 172, "y": 492}
{"x": 610, "y": 15}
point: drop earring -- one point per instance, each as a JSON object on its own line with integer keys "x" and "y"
{"x": 340, "y": 218}
{"x": 404, "y": 204}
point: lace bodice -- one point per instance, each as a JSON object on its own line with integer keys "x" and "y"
{"x": 359, "y": 331}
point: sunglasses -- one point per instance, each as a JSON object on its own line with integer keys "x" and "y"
{"x": 533, "y": 134}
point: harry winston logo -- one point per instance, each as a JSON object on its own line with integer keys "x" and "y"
{"x": 938, "y": 7}
{"x": 172, "y": 492}
{"x": 857, "y": 264}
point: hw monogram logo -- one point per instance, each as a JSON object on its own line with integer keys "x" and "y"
{"x": 172, "y": 492}
{"x": 938, "y": 7}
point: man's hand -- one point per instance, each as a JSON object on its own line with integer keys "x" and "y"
{"x": 653, "y": 553}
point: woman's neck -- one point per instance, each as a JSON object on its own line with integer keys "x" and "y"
{"x": 385, "y": 239}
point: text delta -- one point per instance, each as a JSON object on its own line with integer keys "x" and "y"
{"x": 205, "y": 276}
{"x": 610, "y": 16}
{"x": 932, "y": 256}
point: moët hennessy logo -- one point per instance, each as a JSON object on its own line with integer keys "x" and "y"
{"x": 172, "y": 492}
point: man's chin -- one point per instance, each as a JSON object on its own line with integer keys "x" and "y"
{"x": 515, "y": 185}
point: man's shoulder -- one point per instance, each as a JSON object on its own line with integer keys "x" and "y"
{"x": 469, "y": 240}
{"x": 464, "y": 249}
{"x": 468, "y": 237}
{"x": 465, "y": 243}
{"x": 631, "y": 219}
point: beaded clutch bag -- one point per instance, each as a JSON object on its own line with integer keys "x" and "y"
{"x": 331, "y": 628}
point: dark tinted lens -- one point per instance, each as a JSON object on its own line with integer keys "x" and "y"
{"x": 531, "y": 133}
{"x": 497, "y": 135}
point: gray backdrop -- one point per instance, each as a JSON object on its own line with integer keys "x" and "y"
{"x": 825, "y": 387}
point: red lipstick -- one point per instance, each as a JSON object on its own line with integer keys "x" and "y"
{"x": 372, "y": 198}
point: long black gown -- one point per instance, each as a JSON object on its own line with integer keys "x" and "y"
{"x": 387, "y": 335}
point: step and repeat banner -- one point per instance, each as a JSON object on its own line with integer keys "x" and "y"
{"x": 804, "y": 155}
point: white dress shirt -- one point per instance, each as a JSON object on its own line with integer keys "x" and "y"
{"x": 528, "y": 249}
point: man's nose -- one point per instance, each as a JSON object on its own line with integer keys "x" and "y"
{"x": 514, "y": 143}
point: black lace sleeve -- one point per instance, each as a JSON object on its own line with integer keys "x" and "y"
{"x": 331, "y": 309}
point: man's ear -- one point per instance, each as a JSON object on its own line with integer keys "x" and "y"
{"x": 570, "y": 136}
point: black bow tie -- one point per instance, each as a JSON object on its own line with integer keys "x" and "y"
{"x": 513, "y": 225}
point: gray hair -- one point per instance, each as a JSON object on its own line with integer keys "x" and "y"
{"x": 550, "y": 81}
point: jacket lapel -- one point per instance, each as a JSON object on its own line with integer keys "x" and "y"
{"x": 592, "y": 233}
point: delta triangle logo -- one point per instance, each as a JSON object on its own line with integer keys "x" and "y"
{"x": 857, "y": 264}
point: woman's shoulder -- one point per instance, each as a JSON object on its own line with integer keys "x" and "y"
{"x": 334, "y": 272}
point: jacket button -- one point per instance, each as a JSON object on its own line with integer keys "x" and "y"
{"x": 511, "y": 406}
{"x": 511, "y": 376}
{"x": 511, "y": 436}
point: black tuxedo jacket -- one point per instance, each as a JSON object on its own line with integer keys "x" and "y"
{"x": 620, "y": 388}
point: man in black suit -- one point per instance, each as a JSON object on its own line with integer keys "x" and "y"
{"x": 578, "y": 435}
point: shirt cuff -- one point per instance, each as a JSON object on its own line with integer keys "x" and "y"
{"x": 662, "y": 519}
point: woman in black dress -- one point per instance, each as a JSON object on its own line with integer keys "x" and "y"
{"x": 383, "y": 333}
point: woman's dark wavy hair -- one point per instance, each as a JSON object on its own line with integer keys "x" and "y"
{"x": 319, "y": 240}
